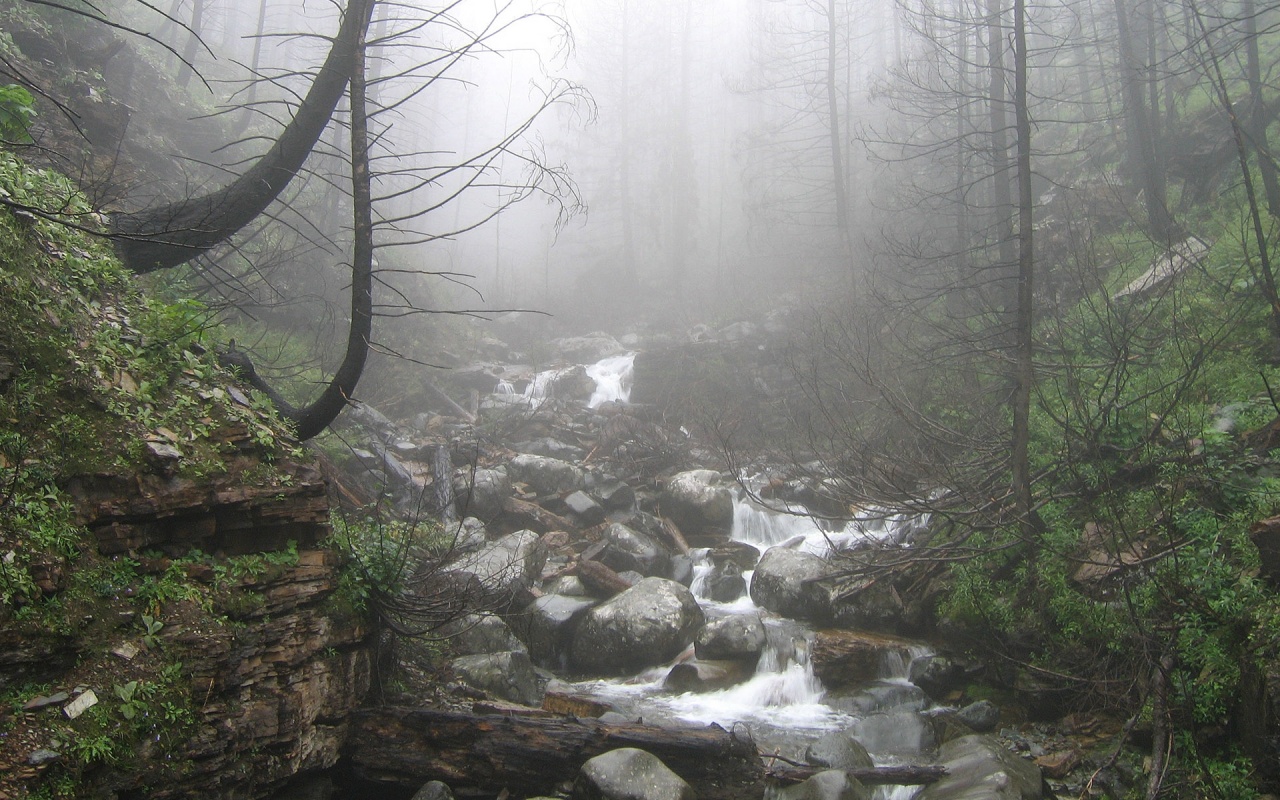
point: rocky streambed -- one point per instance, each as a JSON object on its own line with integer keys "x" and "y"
{"x": 654, "y": 630}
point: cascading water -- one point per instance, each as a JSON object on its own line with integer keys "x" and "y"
{"x": 613, "y": 377}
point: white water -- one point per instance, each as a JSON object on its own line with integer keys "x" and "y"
{"x": 613, "y": 377}
{"x": 788, "y": 525}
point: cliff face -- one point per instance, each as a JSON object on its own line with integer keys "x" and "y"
{"x": 173, "y": 620}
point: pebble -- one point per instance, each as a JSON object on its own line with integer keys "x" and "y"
{"x": 41, "y": 757}
{"x": 37, "y": 703}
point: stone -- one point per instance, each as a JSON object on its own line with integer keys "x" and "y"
{"x": 126, "y": 651}
{"x": 699, "y": 504}
{"x": 725, "y": 583}
{"x": 629, "y": 774}
{"x": 647, "y": 624}
{"x": 37, "y": 703}
{"x": 587, "y": 349}
{"x": 81, "y": 704}
{"x": 1059, "y": 764}
{"x": 545, "y": 476}
{"x": 508, "y": 676}
{"x": 902, "y": 733}
{"x": 936, "y": 674}
{"x": 980, "y": 768}
{"x": 983, "y": 716}
{"x": 506, "y": 568}
{"x": 843, "y": 658}
{"x": 480, "y": 493}
{"x": 781, "y": 580}
{"x": 478, "y": 634}
{"x": 838, "y": 750}
{"x": 38, "y": 758}
{"x": 626, "y": 549}
{"x": 832, "y": 784}
{"x": 584, "y": 509}
{"x": 615, "y": 495}
{"x": 706, "y": 676}
{"x": 547, "y": 626}
{"x": 738, "y": 636}
{"x": 435, "y": 790}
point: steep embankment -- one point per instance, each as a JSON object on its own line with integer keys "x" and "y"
{"x": 170, "y": 622}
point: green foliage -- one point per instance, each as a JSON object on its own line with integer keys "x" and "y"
{"x": 17, "y": 109}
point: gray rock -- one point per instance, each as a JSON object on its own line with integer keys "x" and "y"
{"x": 629, "y": 774}
{"x": 878, "y": 697}
{"x": 615, "y": 495}
{"x": 838, "y": 750}
{"x": 506, "y": 568}
{"x": 477, "y": 634}
{"x": 980, "y": 768}
{"x": 699, "y": 504}
{"x": 897, "y": 733}
{"x": 936, "y": 674}
{"x": 647, "y": 624}
{"x": 706, "y": 676}
{"x": 435, "y": 790}
{"x": 780, "y": 584}
{"x": 547, "y": 627}
{"x": 740, "y": 636}
{"x": 567, "y": 585}
{"x": 833, "y": 784}
{"x": 626, "y": 549}
{"x": 482, "y": 493}
{"x": 509, "y": 676}
{"x": 587, "y": 349}
{"x": 983, "y": 716}
{"x": 544, "y": 475}
{"x": 39, "y": 758}
{"x": 584, "y": 509}
{"x": 725, "y": 583}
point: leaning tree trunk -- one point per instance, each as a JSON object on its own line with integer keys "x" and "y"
{"x": 173, "y": 234}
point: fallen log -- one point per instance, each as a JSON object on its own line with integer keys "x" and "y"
{"x": 531, "y": 755}
{"x": 523, "y": 514}
{"x": 601, "y": 580}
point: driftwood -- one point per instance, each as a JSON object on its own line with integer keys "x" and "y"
{"x": 896, "y": 775}
{"x": 442, "y": 483}
{"x": 674, "y": 537}
{"x": 449, "y": 402}
{"x": 600, "y": 579}
{"x": 533, "y": 516}
{"x": 407, "y": 747}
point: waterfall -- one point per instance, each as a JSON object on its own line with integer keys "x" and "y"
{"x": 613, "y": 377}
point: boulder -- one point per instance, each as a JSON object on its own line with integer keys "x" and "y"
{"x": 584, "y": 509}
{"x": 547, "y": 626}
{"x": 740, "y": 636}
{"x": 615, "y": 495}
{"x": 843, "y": 658}
{"x": 587, "y": 349}
{"x": 902, "y": 733}
{"x": 724, "y": 583}
{"x": 980, "y": 768}
{"x": 936, "y": 674}
{"x": 508, "y": 675}
{"x": 476, "y": 634}
{"x": 983, "y": 716}
{"x": 833, "y": 784}
{"x": 545, "y": 476}
{"x": 706, "y": 676}
{"x": 838, "y": 750}
{"x": 626, "y": 549}
{"x": 480, "y": 493}
{"x": 877, "y": 697}
{"x": 740, "y": 553}
{"x": 435, "y": 790}
{"x": 700, "y": 505}
{"x": 781, "y": 584}
{"x": 469, "y": 534}
{"x": 629, "y": 774}
{"x": 648, "y": 624}
{"x": 507, "y": 568}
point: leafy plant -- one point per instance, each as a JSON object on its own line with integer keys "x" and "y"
{"x": 17, "y": 109}
{"x": 150, "y": 629}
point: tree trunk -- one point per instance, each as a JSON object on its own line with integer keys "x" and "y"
{"x": 531, "y": 755}
{"x": 1024, "y": 374}
{"x": 1258, "y": 110}
{"x": 165, "y": 237}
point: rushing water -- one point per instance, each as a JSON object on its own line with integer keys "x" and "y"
{"x": 612, "y": 376}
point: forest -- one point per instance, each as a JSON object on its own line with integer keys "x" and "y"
{"x": 915, "y": 361}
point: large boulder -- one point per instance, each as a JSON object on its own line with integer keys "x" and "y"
{"x": 739, "y": 636}
{"x": 980, "y": 768}
{"x": 547, "y": 626}
{"x": 545, "y": 476}
{"x": 480, "y": 493}
{"x": 627, "y": 549}
{"x": 843, "y": 658}
{"x": 901, "y": 733}
{"x": 706, "y": 676}
{"x": 833, "y": 784}
{"x": 782, "y": 584}
{"x": 507, "y": 568}
{"x": 507, "y": 676}
{"x": 838, "y": 750}
{"x": 648, "y": 624}
{"x": 724, "y": 583}
{"x": 700, "y": 505}
{"x": 476, "y": 634}
{"x": 629, "y": 774}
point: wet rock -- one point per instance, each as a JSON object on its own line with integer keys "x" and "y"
{"x": 983, "y": 716}
{"x": 867, "y": 604}
{"x": 899, "y": 733}
{"x": 781, "y": 580}
{"x": 626, "y": 549}
{"x": 508, "y": 675}
{"x": 739, "y": 636}
{"x": 507, "y": 568}
{"x": 878, "y": 697}
{"x": 700, "y": 505}
{"x": 567, "y": 585}
{"x": 838, "y": 750}
{"x": 585, "y": 510}
{"x": 936, "y": 674}
{"x": 842, "y": 658}
{"x": 745, "y": 556}
{"x": 469, "y": 534}
{"x": 476, "y": 634}
{"x": 833, "y": 784}
{"x": 548, "y": 446}
{"x": 647, "y": 624}
{"x": 547, "y": 627}
{"x": 1059, "y": 764}
{"x": 681, "y": 569}
{"x": 615, "y": 495}
{"x": 435, "y": 790}
{"x": 979, "y": 768}
{"x": 480, "y": 493}
{"x": 725, "y": 583}
{"x": 706, "y": 676}
{"x": 38, "y": 758}
{"x": 629, "y": 774}
{"x": 545, "y": 476}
